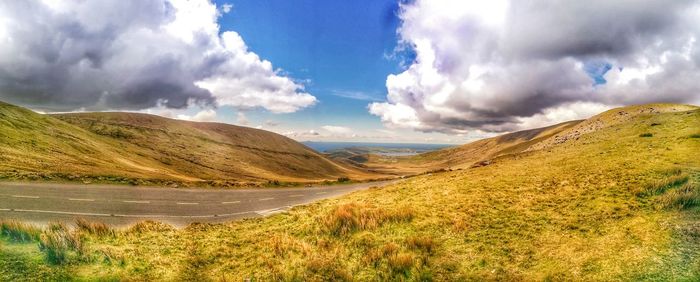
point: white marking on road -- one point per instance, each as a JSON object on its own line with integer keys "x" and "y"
{"x": 266, "y": 199}
{"x": 183, "y": 203}
{"x": 292, "y": 196}
{"x": 228, "y": 203}
{"x": 28, "y": 197}
{"x": 137, "y": 202}
{"x": 81, "y": 200}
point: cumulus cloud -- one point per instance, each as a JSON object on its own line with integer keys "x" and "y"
{"x": 206, "y": 115}
{"x": 242, "y": 119}
{"x": 334, "y": 129}
{"x": 226, "y": 8}
{"x": 133, "y": 55}
{"x": 506, "y": 65}
{"x": 302, "y": 134}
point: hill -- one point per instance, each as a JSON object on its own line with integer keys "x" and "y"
{"x": 141, "y": 148}
{"x": 621, "y": 202}
{"x": 483, "y": 152}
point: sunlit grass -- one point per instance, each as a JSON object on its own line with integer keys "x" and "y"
{"x": 608, "y": 206}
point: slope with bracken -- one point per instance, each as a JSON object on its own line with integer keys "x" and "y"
{"x": 121, "y": 146}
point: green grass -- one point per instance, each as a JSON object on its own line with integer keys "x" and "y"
{"x": 606, "y": 206}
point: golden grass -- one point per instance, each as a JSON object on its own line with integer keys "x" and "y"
{"x": 18, "y": 231}
{"x": 573, "y": 212}
{"x": 354, "y": 217}
{"x": 140, "y": 149}
{"x": 58, "y": 242}
{"x": 684, "y": 197}
{"x": 661, "y": 185}
{"x": 94, "y": 227}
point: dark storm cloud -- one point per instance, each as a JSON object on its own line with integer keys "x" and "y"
{"x": 95, "y": 55}
{"x": 504, "y": 65}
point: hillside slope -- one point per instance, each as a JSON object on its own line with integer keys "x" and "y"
{"x": 140, "y": 147}
{"x": 482, "y": 152}
{"x": 620, "y": 203}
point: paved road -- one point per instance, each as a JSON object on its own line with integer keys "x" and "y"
{"x": 124, "y": 205}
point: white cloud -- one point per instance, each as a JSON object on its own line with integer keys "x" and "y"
{"x": 507, "y": 65}
{"x": 355, "y": 95}
{"x": 206, "y": 115}
{"x": 133, "y": 55}
{"x": 337, "y": 129}
{"x": 242, "y": 119}
{"x": 226, "y": 8}
{"x": 302, "y": 134}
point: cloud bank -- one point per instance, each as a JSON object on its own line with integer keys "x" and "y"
{"x": 502, "y": 65}
{"x": 133, "y": 55}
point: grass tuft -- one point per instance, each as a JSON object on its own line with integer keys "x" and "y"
{"x": 352, "y": 217}
{"x": 423, "y": 243}
{"x": 58, "y": 243}
{"x": 660, "y": 186}
{"x": 696, "y": 135}
{"x": 19, "y": 232}
{"x": 94, "y": 227}
{"x": 401, "y": 263}
{"x": 327, "y": 268}
{"x": 685, "y": 197}
{"x": 647, "y": 134}
{"x": 150, "y": 226}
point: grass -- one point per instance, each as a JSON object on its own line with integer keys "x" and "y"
{"x": 646, "y": 134}
{"x": 140, "y": 149}
{"x": 606, "y": 206}
{"x": 95, "y": 228}
{"x": 685, "y": 197}
{"x": 353, "y": 217}
{"x": 17, "y": 231}
{"x": 59, "y": 243}
{"x": 661, "y": 185}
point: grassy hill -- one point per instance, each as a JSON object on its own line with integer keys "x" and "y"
{"x": 483, "y": 152}
{"x": 619, "y": 202}
{"x": 130, "y": 147}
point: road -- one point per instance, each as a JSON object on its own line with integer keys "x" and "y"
{"x": 125, "y": 205}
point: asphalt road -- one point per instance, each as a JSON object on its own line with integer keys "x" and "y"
{"x": 124, "y": 205}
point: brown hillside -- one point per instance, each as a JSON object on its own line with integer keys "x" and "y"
{"x": 122, "y": 146}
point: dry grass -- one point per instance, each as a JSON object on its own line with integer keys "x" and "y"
{"x": 18, "y": 231}
{"x": 130, "y": 148}
{"x": 58, "y": 243}
{"x": 422, "y": 243}
{"x": 94, "y": 227}
{"x": 568, "y": 213}
{"x": 685, "y": 197}
{"x": 661, "y": 185}
{"x": 353, "y": 217}
{"x": 150, "y": 226}
{"x": 401, "y": 263}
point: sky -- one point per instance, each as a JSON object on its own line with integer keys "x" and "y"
{"x": 418, "y": 71}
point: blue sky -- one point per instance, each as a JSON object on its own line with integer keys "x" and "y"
{"x": 341, "y": 51}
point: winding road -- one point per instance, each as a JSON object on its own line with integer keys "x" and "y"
{"x": 125, "y": 205}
